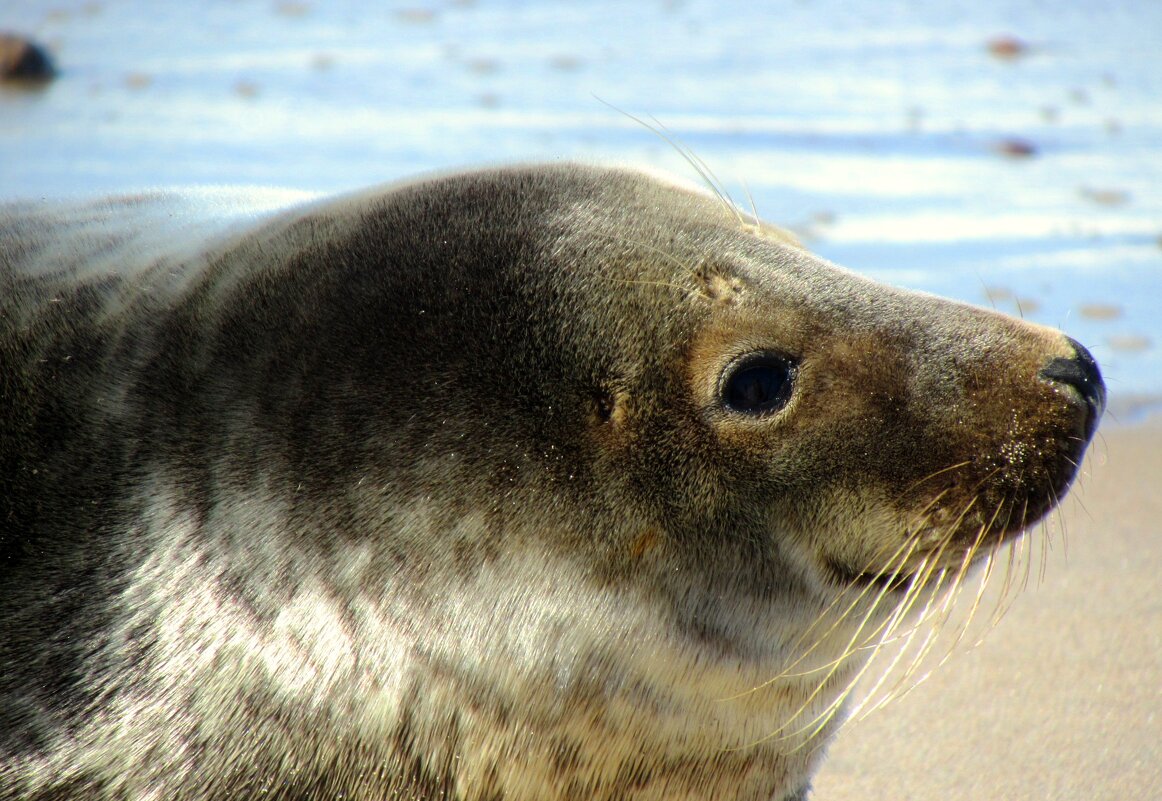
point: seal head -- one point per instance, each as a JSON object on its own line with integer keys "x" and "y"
{"x": 538, "y": 483}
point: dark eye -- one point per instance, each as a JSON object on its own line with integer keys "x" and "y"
{"x": 758, "y": 384}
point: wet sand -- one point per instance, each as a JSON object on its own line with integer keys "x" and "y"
{"x": 1061, "y": 700}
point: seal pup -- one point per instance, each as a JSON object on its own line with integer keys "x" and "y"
{"x": 549, "y": 482}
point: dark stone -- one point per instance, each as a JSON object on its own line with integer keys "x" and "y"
{"x": 21, "y": 59}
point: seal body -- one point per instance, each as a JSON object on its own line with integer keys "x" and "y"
{"x": 549, "y": 482}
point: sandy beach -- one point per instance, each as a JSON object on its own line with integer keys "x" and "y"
{"x": 1063, "y": 698}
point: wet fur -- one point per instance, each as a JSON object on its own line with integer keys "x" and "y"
{"x": 426, "y": 492}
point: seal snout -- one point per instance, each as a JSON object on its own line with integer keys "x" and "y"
{"x": 1080, "y": 372}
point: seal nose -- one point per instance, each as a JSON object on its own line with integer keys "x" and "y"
{"x": 1082, "y": 373}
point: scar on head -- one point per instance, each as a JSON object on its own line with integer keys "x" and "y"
{"x": 718, "y": 283}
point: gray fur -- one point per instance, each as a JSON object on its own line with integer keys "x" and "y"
{"x": 424, "y": 492}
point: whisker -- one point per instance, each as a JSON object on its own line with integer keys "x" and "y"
{"x": 899, "y": 613}
{"x": 861, "y": 708}
{"x": 841, "y": 699}
{"x": 936, "y": 621}
{"x": 709, "y": 179}
{"x": 933, "y": 474}
{"x": 816, "y": 725}
{"x": 902, "y": 553}
{"x": 1006, "y": 596}
{"x": 754, "y": 209}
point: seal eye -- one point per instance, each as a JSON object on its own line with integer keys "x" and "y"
{"x": 758, "y": 384}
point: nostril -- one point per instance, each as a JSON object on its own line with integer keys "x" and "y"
{"x": 1082, "y": 373}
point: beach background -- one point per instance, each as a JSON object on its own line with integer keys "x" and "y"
{"x": 1004, "y": 153}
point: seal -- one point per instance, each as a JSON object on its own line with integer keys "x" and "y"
{"x": 546, "y": 482}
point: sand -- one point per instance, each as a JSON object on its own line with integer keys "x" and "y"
{"x": 1063, "y": 697}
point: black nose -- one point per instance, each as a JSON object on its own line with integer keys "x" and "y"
{"x": 1081, "y": 373}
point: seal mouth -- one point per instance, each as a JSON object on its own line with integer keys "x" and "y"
{"x": 892, "y": 581}
{"x": 887, "y": 582}
{"x": 924, "y": 565}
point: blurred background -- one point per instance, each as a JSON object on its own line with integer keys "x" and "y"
{"x": 1003, "y": 152}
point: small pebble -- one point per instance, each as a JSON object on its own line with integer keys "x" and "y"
{"x": 1007, "y": 47}
{"x": 21, "y": 59}
{"x": 1129, "y": 342}
{"x": 1015, "y": 148}
{"x": 1106, "y": 197}
{"x": 1100, "y": 311}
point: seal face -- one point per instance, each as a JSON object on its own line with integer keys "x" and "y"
{"x": 540, "y": 483}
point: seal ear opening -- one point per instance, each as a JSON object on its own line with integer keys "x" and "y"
{"x": 610, "y": 407}
{"x": 605, "y": 404}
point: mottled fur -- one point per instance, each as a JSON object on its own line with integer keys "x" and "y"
{"x": 427, "y": 492}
